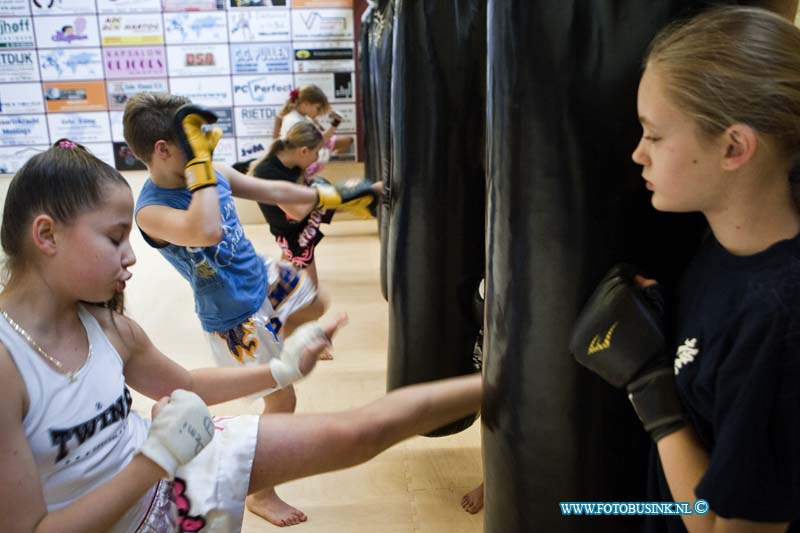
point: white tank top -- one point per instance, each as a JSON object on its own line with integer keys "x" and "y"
{"x": 83, "y": 432}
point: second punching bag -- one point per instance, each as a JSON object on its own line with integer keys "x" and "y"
{"x": 435, "y": 247}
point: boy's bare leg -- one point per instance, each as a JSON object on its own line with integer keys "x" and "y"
{"x": 292, "y": 447}
{"x": 472, "y": 502}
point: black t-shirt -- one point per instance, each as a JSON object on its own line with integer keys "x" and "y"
{"x": 737, "y": 359}
{"x": 280, "y": 225}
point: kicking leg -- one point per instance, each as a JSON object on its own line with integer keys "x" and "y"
{"x": 292, "y": 447}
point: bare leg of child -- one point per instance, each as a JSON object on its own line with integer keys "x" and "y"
{"x": 291, "y": 447}
{"x": 472, "y": 502}
{"x": 266, "y": 503}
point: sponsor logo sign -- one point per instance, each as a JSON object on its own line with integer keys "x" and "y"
{"x": 12, "y": 158}
{"x": 119, "y": 91}
{"x": 128, "y": 6}
{"x": 322, "y": 3}
{"x": 248, "y": 148}
{"x": 348, "y": 112}
{"x": 263, "y": 58}
{"x": 198, "y": 59}
{"x": 18, "y": 65}
{"x": 256, "y": 121}
{"x": 192, "y": 5}
{"x": 80, "y": 127}
{"x": 211, "y": 91}
{"x": 62, "y": 7}
{"x": 14, "y": 7}
{"x": 75, "y": 96}
{"x": 124, "y": 158}
{"x": 75, "y": 31}
{"x": 258, "y": 3}
{"x": 316, "y": 24}
{"x": 71, "y": 64}
{"x": 131, "y": 29}
{"x": 224, "y": 120}
{"x": 102, "y": 151}
{"x": 139, "y": 62}
{"x": 225, "y": 152}
{"x": 198, "y": 27}
{"x": 338, "y": 86}
{"x": 21, "y": 98}
{"x": 16, "y": 32}
{"x": 246, "y": 25}
{"x": 23, "y": 130}
{"x": 262, "y": 90}
{"x": 324, "y": 56}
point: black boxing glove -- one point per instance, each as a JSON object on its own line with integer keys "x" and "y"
{"x": 619, "y": 336}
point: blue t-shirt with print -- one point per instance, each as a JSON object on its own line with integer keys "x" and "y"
{"x": 228, "y": 279}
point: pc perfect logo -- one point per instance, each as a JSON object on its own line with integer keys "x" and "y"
{"x": 16, "y": 33}
{"x": 263, "y": 90}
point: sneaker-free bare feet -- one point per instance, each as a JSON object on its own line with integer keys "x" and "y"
{"x": 326, "y": 355}
{"x": 472, "y": 502}
{"x": 271, "y": 508}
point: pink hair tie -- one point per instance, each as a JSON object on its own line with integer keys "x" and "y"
{"x": 294, "y": 95}
{"x": 66, "y": 143}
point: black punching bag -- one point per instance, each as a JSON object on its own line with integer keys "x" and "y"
{"x": 379, "y": 67}
{"x": 565, "y": 202}
{"x": 435, "y": 244}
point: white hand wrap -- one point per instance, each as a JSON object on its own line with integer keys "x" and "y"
{"x": 286, "y": 369}
{"x": 179, "y": 432}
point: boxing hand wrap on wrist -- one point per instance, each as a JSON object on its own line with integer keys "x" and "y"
{"x": 179, "y": 432}
{"x": 656, "y": 402}
{"x": 286, "y": 369}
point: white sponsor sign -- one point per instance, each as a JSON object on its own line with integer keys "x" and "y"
{"x": 74, "y": 31}
{"x": 80, "y": 127}
{"x": 128, "y": 6}
{"x": 14, "y": 7}
{"x": 211, "y": 91}
{"x": 246, "y": 25}
{"x": 337, "y": 86}
{"x": 18, "y": 65}
{"x": 225, "y": 151}
{"x": 21, "y": 130}
{"x": 16, "y": 32}
{"x": 261, "y": 58}
{"x": 120, "y": 90}
{"x": 198, "y": 27}
{"x": 198, "y": 60}
{"x": 102, "y": 151}
{"x": 131, "y": 29}
{"x": 249, "y": 148}
{"x": 314, "y": 24}
{"x": 115, "y": 117}
{"x": 71, "y": 64}
{"x": 12, "y": 158}
{"x": 348, "y": 113}
{"x": 256, "y": 121}
{"x": 19, "y": 98}
{"x": 62, "y": 7}
{"x": 262, "y": 90}
{"x": 328, "y": 56}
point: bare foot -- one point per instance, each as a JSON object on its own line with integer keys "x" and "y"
{"x": 271, "y": 508}
{"x": 472, "y": 502}
{"x": 326, "y": 355}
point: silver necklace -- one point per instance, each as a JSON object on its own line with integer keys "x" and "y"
{"x": 58, "y": 364}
